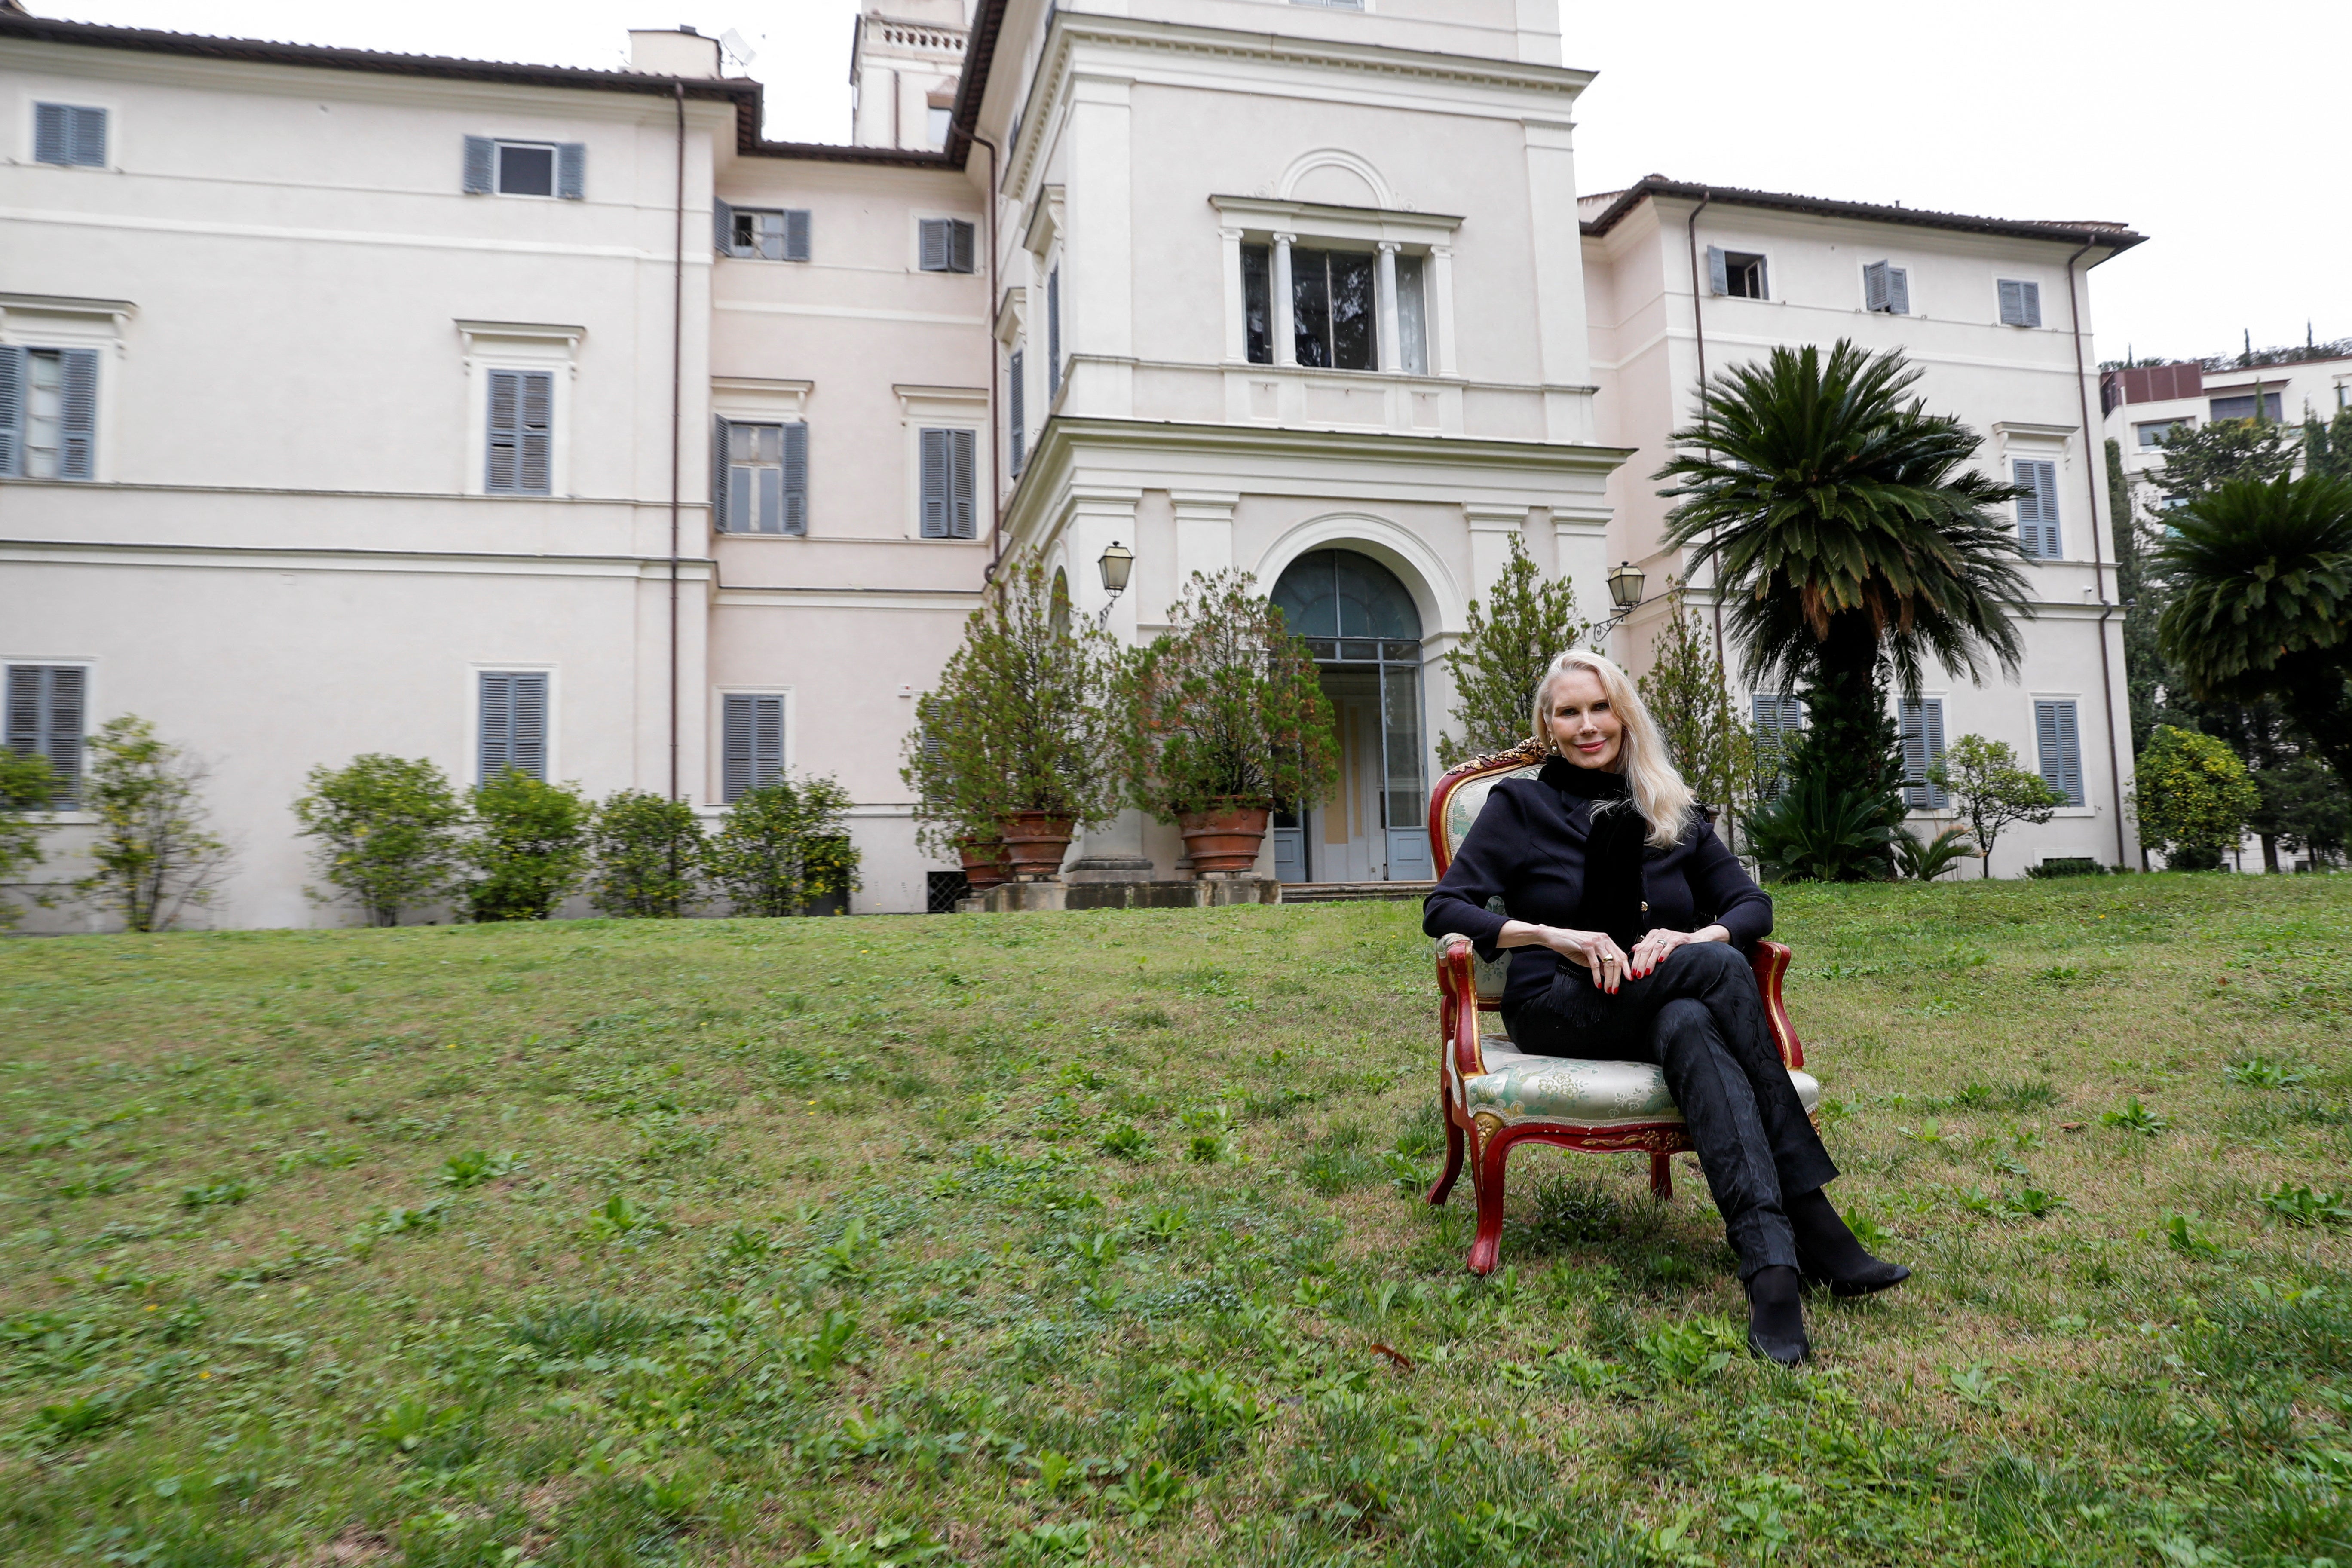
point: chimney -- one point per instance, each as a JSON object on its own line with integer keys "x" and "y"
{"x": 672, "y": 52}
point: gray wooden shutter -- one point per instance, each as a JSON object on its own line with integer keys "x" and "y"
{"x": 2030, "y": 304}
{"x": 536, "y": 475}
{"x": 572, "y": 170}
{"x": 86, "y": 137}
{"x": 1923, "y": 749}
{"x": 960, "y": 235}
{"x": 12, "y": 408}
{"x": 751, "y": 747}
{"x": 513, "y": 723}
{"x": 1718, "y": 274}
{"x": 722, "y": 227}
{"x": 51, "y": 135}
{"x": 2037, "y": 508}
{"x": 45, "y": 719}
{"x": 1054, "y": 334}
{"x": 1939, "y": 797}
{"x": 935, "y": 244}
{"x": 2060, "y": 747}
{"x": 964, "y": 447}
{"x": 1015, "y": 400}
{"x": 505, "y": 430}
{"x": 481, "y": 158}
{"x": 796, "y": 478}
{"x": 2045, "y": 482}
{"x": 935, "y": 462}
{"x": 2012, "y": 302}
{"x": 1874, "y": 286}
{"x": 1898, "y": 290}
{"x": 719, "y": 474}
{"x": 494, "y": 740}
{"x": 78, "y": 411}
{"x": 796, "y": 235}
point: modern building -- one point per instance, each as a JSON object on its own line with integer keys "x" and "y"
{"x": 2143, "y": 404}
{"x": 526, "y": 416}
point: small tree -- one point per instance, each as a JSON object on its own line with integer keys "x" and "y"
{"x": 531, "y": 845}
{"x": 784, "y": 846}
{"x": 1506, "y": 647}
{"x": 1687, "y": 693}
{"x": 2310, "y": 807}
{"x": 389, "y": 832}
{"x": 1225, "y": 710}
{"x": 1991, "y": 791}
{"x": 2192, "y": 797}
{"x": 959, "y": 794}
{"x": 154, "y": 855}
{"x": 2197, "y": 458}
{"x": 1029, "y": 708}
{"x": 28, "y": 795}
{"x": 647, "y": 852}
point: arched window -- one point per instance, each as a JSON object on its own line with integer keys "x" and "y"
{"x": 1330, "y": 595}
{"x": 1060, "y": 614}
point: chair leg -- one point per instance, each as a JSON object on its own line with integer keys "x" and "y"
{"x": 1487, "y": 1246}
{"x": 1444, "y": 1184}
{"x": 1662, "y": 1177}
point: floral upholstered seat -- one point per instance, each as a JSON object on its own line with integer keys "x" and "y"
{"x": 1493, "y": 1095}
{"x": 1518, "y": 1088}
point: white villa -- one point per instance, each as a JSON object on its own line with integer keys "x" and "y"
{"x": 519, "y": 415}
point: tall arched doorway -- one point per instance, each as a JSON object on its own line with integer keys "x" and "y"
{"x": 1366, "y": 634}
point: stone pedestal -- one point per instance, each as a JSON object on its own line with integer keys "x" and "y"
{"x": 1097, "y": 868}
{"x": 1012, "y": 898}
{"x": 1221, "y": 888}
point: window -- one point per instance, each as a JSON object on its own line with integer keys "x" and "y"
{"x": 513, "y": 723}
{"x": 1778, "y": 719}
{"x": 945, "y": 245}
{"x": 948, "y": 483}
{"x": 940, "y": 118}
{"x": 1054, "y": 334}
{"x": 2021, "y": 303}
{"x": 943, "y": 891}
{"x": 781, "y": 236}
{"x": 751, "y": 746}
{"x": 2152, "y": 434}
{"x": 1016, "y": 410}
{"x": 1412, "y": 316}
{"x": 69, "y": 135}
{"x": 49, "y": 413}
{"x": 759, "y": 482}
{"x": 1886, "y": 287}
{"x": 526, "y": 168}
{"x": 1332, "y": 295}
{"x": 1738, "y": 273}
{"x": 45, "y": 720}
{"x": 2061, "y": 753}
{"x": 2037, "y": 508}
{"x": 522, "y": 406}
{"x": 2242, "y": 407}
{"x": 1257, "y": 302}
{"x": 1923, "y": 751}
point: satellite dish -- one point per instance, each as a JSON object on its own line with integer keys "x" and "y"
{"x": 732, "y": 42}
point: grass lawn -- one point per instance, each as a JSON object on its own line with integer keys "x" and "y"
{"x": 1096, "y": 1237}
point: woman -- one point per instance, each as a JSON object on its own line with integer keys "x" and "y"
{"x": 1603, "y": 861}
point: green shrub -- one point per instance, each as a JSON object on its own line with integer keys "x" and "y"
{"x": 389, "y": 832}
{"x": 1818, "y": 830}
{"x": 531, "y": 847}
{"x": 784, "y": 846}
{"x": 647, "y": 854}
{"x": 2066, "y": 866}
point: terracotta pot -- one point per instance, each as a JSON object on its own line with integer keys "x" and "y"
{"x": 984, "y": 861}
{"x": 1224, "y": 840}
{"x": 1036, "y": 841}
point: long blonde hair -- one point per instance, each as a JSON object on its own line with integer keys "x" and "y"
{"x": 1651, "y": 782}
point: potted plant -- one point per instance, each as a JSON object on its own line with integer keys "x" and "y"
{"x": 1224, "y": 721}
{"x": 1019, "y": 731}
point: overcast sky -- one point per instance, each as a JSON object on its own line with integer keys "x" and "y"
{"x": 2219, "y": 131}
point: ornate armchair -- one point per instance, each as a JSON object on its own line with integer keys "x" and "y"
{"x": 1493, "y": 1096}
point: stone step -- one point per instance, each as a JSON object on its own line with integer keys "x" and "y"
{"x": 1353, "y": 893}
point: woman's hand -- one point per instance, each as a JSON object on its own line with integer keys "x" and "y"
{"x": 1592, "y": 949}
{"x": 1652, "y": 950}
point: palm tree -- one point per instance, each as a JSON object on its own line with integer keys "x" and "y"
{"x": 2261, "y": 573}
{"x": 1849, "y": 539}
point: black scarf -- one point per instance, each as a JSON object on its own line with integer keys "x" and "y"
{"x": 1613, "y": 893}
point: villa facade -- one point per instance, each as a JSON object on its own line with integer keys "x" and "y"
{"x": 527, "y": 416}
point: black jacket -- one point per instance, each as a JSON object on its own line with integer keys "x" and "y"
{"x": 1528, "y": 847}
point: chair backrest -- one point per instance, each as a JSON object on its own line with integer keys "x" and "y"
{"x": 1462, "y": 795}
{"x": 1454, "y": 805}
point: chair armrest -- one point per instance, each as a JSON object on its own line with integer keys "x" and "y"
{"x": 1457, "y": 1007}
{"x": 1771, "y": 963}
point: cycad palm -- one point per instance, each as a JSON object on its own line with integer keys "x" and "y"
{"x": 1851, "y": 540}
{"x": 2262, "y": 600}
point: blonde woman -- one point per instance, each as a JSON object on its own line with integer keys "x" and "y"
{"x": 1630, "y": 926}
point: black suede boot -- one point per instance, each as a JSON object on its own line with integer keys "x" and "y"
{"x": 1829, "y": 1253}
{"x": 1775, "y": 1318}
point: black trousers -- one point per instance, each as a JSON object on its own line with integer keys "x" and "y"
{"x": 1698, "y": 1016}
